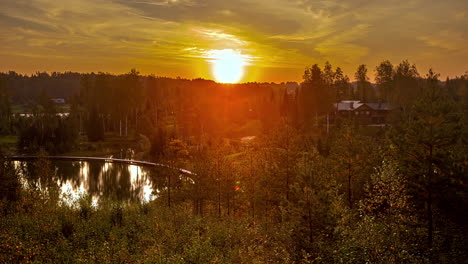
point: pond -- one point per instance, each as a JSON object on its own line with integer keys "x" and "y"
{"x": 97, "y": 179}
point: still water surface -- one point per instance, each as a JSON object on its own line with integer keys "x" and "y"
{"x": 98, "y": 179}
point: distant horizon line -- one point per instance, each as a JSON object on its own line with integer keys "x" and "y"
{"x": 191, "y": 79}
{"x": 140, "y": 74}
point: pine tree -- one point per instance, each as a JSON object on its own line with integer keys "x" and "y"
{"x": 315, "y": 98}
{"x": 384, "y": 75}
{"x": 365, "y": 91}
{"x": 426, "y": 146}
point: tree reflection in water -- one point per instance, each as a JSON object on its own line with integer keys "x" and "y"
{"x": 98, "y": 179}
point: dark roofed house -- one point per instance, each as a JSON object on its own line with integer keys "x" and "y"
{"x": 364, "y": 113}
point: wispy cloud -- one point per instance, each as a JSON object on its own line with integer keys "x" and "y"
{"x": 172, "y": 36}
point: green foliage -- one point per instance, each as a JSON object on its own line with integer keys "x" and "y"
{"x": 385, "y": 227}
{"x": 296, "y": 193}
{"x": 44, "y": 129}
{"x": 57, "y": 233}
{"x": 355, "y": 157}
{"x": 428, "y": 146}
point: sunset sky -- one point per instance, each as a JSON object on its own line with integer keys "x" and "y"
{"x": 276, "y": 39}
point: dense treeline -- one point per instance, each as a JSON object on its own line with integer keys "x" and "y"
{"x": 24, "y": 89}
{"x": 44, "y": 129}
{"x": 298, "y": 192}
{"x": 193, "y": 110}
{"x": 185, "y": 109}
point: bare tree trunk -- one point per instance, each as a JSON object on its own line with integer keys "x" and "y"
{"x": 253, "y": 191}
{"x": 316, "y": 119}
{"x": 201, "y": 207}
{"x": 219, "y": 187}
{"x": 136, "y": 120}
{"x": 287, "y": 162}
{"x": 430, "y": 227}
{"x": 309, "y": 216}
{"x": 169, "y": 189}
{"x": 349, "y": 186}
{"x": 228, "y": 206}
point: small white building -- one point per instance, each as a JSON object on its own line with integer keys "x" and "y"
{"x": 58, "y": 100}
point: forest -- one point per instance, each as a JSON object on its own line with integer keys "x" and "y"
{"x": 279, "y": 176}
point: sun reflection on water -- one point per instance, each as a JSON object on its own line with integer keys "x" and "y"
{"x": 95, "y": 180}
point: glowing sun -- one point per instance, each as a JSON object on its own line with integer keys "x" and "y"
{"x": 228, "y": 65}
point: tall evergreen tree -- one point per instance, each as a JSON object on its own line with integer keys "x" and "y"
{"x": 315, "y": 99}
{"x": 5, "y": 109}
{"x": 384, "y": 75}
{"x": 365, "y": 92}
{"x": 426, "y": 145}
{"x": 342, "y": 87}
{"x": 407, "y": 86}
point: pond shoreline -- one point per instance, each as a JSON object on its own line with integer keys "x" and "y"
{"x": 80, "y": 158}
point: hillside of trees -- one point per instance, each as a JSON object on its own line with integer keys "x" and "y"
{"x": 301, "y": 191}
{"x": 194, "y": 110}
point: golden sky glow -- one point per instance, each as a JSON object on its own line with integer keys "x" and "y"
{"x": 274, "y": 39}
